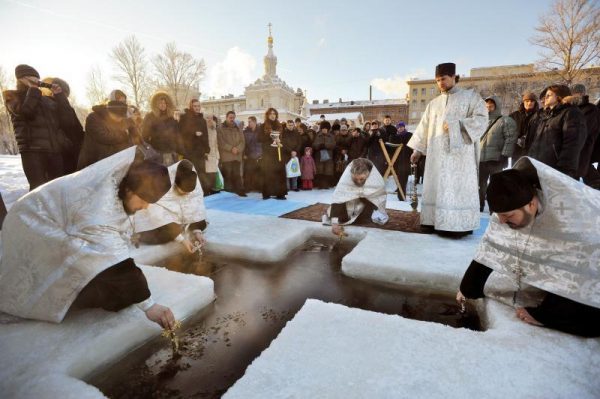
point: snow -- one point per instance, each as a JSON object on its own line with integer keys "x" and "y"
{"x": 326, "y": 350}
{"x": 332, "y": 351}
{"x": 13, "y": 183}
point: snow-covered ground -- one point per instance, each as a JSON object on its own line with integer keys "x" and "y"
{"x": 13, "y": 182}
{"x": 329, "y": 350}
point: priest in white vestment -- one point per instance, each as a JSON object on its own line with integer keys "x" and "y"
{"x": 179, "y": 215}
{"x": 448, "y": 135}
{"x": 66, "y": 244}
{"x": 544, "y": 233}
{"x": 359, "y": 193}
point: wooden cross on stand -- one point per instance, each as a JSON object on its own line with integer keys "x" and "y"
{"x": 390, "y": 168}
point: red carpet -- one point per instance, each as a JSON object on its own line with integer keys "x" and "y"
{"x": 399, "y": 220}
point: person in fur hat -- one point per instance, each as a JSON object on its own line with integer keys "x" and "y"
{"x": 160, "y": 128}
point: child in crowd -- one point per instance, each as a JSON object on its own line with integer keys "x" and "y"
{"x": 308, "y": 169}
{"x": 292, "y": 172}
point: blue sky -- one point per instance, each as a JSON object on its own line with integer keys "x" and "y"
{"x": 332, "y": 49}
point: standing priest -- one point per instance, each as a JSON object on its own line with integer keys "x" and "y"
{"x": 67, "y": 243}
{"x": 448, "y": 135}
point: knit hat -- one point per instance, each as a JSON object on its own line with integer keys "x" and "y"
{"x": 529, "y": 95}
{"x": 447, "y": 68}
{"x": 116, "y": 94}
{"x": 400, "y": 124}
{"x": 25, "y": 70}
{"x": 509, "y": 190}
{"x": 148, "y": 180}
{"x": 578, "y": 89}
{"x": 185, "y": 177}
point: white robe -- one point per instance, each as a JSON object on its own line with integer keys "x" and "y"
{"x": 450, "y": 186}
{"x": 348, "y": 192}
{"x": 561, "y": 252}
{"x": 172, "y": 207}
{"x": 61, "y": 235}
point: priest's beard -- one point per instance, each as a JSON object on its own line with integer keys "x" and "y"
{"x": 527, "y": 220}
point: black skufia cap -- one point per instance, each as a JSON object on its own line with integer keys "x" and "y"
{"x": 447, "y": 68}
{"x": 509, "y": 190}
{"x": 148, "y": 180}
{"x": 185, "y": 177}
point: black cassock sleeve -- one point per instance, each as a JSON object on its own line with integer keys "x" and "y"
{"x": 474, "y": 280}
{"x": 115, "y": 288}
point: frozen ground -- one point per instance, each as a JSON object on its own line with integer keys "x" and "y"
{"x": 244, "y": 228}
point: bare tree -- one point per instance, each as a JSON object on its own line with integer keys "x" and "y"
{"x": 179, "y": 73}
{"x": 96, "y": 87}
{"x": 569, "y": 35}
{"x": 8, "y": 142}
{"x": 129, "y": 58}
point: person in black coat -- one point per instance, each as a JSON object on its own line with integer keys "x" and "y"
{"x": 402, "y": 165}
{"x": 38, "y": 122}
{"x": 194, "y": 139}
{"x": 560, "y": 133}
{"x": 591, "y": 113}
{"x": 273, "y": 169}
{"x": 69, "y": 123}
{"x": 107, "y": 131}
{"x": 358, "y": 144}
{"x": 291, "y": 141}
{"x": 375, "y": 153}
{"x": 523, "y": 116}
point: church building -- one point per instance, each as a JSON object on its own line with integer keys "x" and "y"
{"x": 266, "y": 92}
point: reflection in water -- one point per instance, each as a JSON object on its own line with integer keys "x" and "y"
{"x": 254, "y": 301}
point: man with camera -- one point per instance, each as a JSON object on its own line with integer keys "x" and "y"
{"x": 39, "y": 123}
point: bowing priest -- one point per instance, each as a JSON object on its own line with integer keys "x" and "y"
{"x": 360, "y": 194}
{"x": 179, "y": 215}
{"x": 448, "y": 135}
{"x": 543, "y": 233}
{"x": 67, "y": 243}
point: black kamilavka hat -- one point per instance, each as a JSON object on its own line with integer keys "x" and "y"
{"x": 447, "y": 68}
{"x": 185, "y": 177}
{"x": 148, "y": 180}
{"x": 509, "y": 190}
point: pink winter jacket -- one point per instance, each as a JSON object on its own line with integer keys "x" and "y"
{"x": 307, "y": 167}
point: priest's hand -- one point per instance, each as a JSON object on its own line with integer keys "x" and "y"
{"x": 415, "y": 156}
{"x": 337, "y": 230}
{"x": 460, "y": 298}
{"x": 446, "y": 127}
{"x": 161, "y": 315}
{"x": 188, "y": 245}
{"x": 199, "y": 237}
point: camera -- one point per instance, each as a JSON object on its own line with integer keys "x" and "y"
{"x": 44, "y": 84}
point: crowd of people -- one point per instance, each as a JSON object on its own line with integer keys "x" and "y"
{"x": 270, "y": 157}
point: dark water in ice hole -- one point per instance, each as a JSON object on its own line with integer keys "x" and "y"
{"x": 253, "y": 304}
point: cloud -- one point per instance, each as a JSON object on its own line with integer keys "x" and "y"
{"x": 231, "y": 75}
{"x": 396, "y": 86}
{"x": 321, "y": 42}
